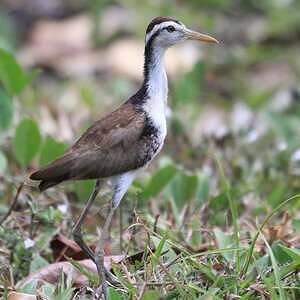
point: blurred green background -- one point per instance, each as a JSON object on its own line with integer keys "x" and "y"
{"x": 233, "y": 108}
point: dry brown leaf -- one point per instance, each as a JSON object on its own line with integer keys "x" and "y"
{"x": 280, "y": 231}
{"x": 62, "y": 246}
{"x": 52, "y": 272}
{"x": 20, "y": 296}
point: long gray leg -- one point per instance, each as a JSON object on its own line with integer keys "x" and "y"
{"x": 77, "y": 234}
{"x": 99, "y": 254}
{"x": 120, "y": 186}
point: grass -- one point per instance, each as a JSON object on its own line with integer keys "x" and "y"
{"x": 175, "y": 271}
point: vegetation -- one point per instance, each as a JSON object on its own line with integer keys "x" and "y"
{"x": 216, "y": 216}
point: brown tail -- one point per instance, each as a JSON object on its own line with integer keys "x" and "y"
{"x": 44, "y": 184}
{"x": 54, "y": 173}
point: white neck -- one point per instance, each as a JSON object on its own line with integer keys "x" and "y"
{"x": 157, "y": 84}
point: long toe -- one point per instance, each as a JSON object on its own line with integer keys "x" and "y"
{"x": 101, "y": 293}
{"x": 111, "y": 278}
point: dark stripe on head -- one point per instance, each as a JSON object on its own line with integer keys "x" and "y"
{"x": 159, "y": 20}
{"x": 141, "y": 96}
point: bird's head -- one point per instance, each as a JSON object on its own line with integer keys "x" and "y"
{"x": 166, "y": 32}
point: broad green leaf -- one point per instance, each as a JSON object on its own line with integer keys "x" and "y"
{"x": 294, "y": 254}
{"x": 113, "y": 294}
{"x": 27, "y": 141}
{"x": 219, "y": 202}
{"x": 262, "y": 263}
{"x": 12, "y": 76}
{"x": 151, "y": 295}
{"x": 197, "y": 237}
{"x": 37, "y": 263}
{"x": 84, "y": 188}
{"x": 158, "y": 181}
{"x": 6, "y": 110}
{"x": 50, "y": 150}
{"x": 3, "y": 162}
{"x": 203, "y": 189}
{"x": 224, "y": 241}
{"x": 188, "y": 88}
{"x": 296, "y": 225}
{"x": 275, "y": 196}
{"x": 184, "y": 188}
{"x": 280, "y": 253}
{"x": 48, "y": 290}
{"x": 29, "y": 288}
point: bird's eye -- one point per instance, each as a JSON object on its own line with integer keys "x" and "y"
{"x": 171, "y": 28}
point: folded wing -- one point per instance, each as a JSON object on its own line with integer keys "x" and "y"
{"x": 107, "y": 148}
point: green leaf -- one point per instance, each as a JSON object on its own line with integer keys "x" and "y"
{"x": 158, "y": 181}
{"x": 279, "y": 253}
{"x": 184, "y": 188}
{"x": 6, "y": 110}
{"x": 51, "y": 149}
{"x": 84, "y": 188}
{"x": 12, "y": 76}
{"x": 27, "y": 141}
{"x": 203, "y": 189}
{"x": 296, "y": 225}
{"x": 37, "y": 263}
{"x": 83, "y": 270}
{"x": 151, "y": 295}
{"x": 188, "y": 88}
{"x": 113, "y": 294}
{"x": 48, "y": 290}
{"x": 3, "y": 162}
{"x": 281, "y": 291}
{"x": 158, "y": 251}
{"x": 29, "y": 288}
{"x": 294, "y": 254}
{"x": 276, "y": 194}
{"x": 224, "y": 241}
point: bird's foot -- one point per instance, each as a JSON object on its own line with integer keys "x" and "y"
{"x": 108, "y": 279}
{"x": 101, "y": 292}
{"x": 112, "y": 279}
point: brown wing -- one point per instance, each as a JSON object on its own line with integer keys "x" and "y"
{"x": 107, "y": 148}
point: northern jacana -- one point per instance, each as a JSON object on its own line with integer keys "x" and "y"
{"x": 126, "y": 140}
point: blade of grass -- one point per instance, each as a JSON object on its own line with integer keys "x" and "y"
{"x": 275, "y": 269}
{"x": 233, "y": 211}
{"x": 92, "y": 277}
{"x": 217, "y": 251}
{"x": 180, "y": 288}
{"x": 266, "y": 220}
{"x": 158, "y": 251}
{"x": 131, "y": 289}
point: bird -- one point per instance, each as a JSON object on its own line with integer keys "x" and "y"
{"x": 122, "y": 143}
